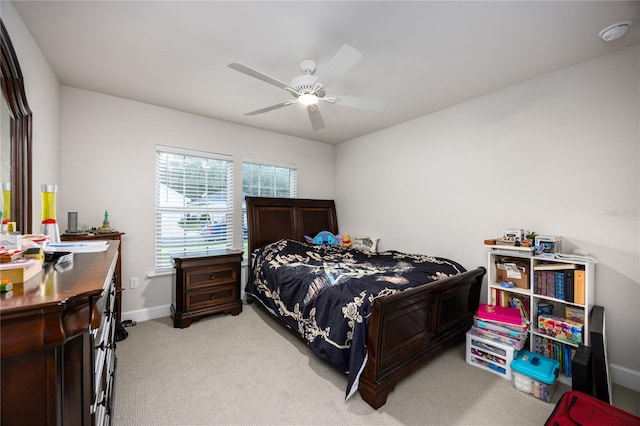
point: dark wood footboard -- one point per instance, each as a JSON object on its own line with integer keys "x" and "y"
{"x": 406, "y": 329}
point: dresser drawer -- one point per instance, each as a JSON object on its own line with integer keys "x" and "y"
{"x": 213, "y": 275}
{"x": 211, "y": 296}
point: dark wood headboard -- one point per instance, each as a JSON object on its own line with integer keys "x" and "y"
{"x": 272, "y": 219}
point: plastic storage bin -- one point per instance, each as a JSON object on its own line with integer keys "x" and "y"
{"x": 535, "y": 374}
{"x": 488, "y": 355}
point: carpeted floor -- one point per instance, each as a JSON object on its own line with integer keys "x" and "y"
{"x": 247, "y": 369}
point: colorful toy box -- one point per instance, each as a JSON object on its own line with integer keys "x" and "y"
{"x": 560, "y": 328}
{"x": 535, "y": 374}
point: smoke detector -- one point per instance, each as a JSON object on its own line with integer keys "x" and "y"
{"x": 614, "y": 31}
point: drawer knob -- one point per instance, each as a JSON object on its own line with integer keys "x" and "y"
{"x": 213, "y": 297}
{"x": 212, "y": 277}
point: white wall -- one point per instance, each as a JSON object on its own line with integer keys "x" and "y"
{"x": 108, "y": 163}
{"x": 558, "y": 154}
{"x": 43, "y": 94}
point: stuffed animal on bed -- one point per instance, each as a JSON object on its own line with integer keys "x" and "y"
{"x": 323, "y": 237}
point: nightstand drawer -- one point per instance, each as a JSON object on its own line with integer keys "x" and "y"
{"x": 211, "y": 296}
{"x": 215, "y": 275}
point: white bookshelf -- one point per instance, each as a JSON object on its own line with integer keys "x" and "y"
{"x": 497, "y": 255}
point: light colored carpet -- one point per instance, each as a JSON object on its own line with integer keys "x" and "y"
{"x": 248, "y": 369}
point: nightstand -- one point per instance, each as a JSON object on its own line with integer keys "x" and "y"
{"x": 205, "y": 283}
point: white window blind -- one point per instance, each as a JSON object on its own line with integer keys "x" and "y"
{"x": 194, "y": 203}
{"x": 266, "y": 180}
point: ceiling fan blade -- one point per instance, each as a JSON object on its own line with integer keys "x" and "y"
{"x": 257, "y": 74}
{"x": 316, "y": 118}
{"x": 271, "y": 108}
{"x": 362, "y": 103}
{"x": 341, "y": 62}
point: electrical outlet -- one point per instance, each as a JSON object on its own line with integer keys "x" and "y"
{"x": 133, "y": 282}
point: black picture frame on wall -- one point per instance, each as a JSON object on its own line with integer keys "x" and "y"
{"x": 599, "y": 357}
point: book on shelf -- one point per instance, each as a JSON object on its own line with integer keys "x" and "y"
{"x": 508, "y": 299}
{"x": 523, "y": 307}
{"x": 578, "y": 286}
{"x": 554, "y": 266}
{"x": 558, "y": 279}
{"x": 20, "y": 270}
{"x": 556, "y": 350}
{"x": 500, "y": 314}
{"x": 568, "y": 285}
{"x": 561, "y": 285}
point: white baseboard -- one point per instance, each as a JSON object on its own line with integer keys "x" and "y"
{"x": 147, "y": 314}
{"x": 625, "y": 377}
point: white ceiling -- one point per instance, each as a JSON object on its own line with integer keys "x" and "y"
{"x": 419, "y": 56}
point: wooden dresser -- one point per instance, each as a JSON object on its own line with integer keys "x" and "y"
{"x": 116, "y": 236}
{"x": 57, "y": 349}
{"x": 205, "y": 283}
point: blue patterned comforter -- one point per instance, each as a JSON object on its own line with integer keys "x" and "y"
{"x": 325, "y": 293}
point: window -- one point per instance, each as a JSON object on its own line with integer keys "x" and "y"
{"x": 265, "y": 180}
{"x": 194, "y": 203}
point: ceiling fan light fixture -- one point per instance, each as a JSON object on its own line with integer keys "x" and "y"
{"x": 614, "y": 31}
{"x": 308, "y": 99}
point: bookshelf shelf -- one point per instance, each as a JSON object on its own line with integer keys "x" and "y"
{"x": 560, "y": 297}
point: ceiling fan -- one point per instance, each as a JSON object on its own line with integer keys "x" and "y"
{"x": 308, "y": 89}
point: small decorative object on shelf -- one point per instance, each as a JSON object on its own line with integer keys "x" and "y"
{"x": 513, "y": 235}
{"x": 72, "y": 223}
{"x": 49, "y": 223}
{"x": 105, "y": 228}
{"x": 547, "y": 245}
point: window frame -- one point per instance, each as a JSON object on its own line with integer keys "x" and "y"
{"x": 190, "y": 241}
{"x": 293, "y": 189}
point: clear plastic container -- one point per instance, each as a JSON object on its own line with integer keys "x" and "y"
{"x": 535, "y": 374}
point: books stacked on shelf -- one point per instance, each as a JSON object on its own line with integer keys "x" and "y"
{"x": 556, "y": 350}
{"x": 560, "y": 281}
{"x": 509, "y": 299}
{"x": 500, "y": 324}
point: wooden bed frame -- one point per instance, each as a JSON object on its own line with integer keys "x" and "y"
{"x": 405, "y": 329}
